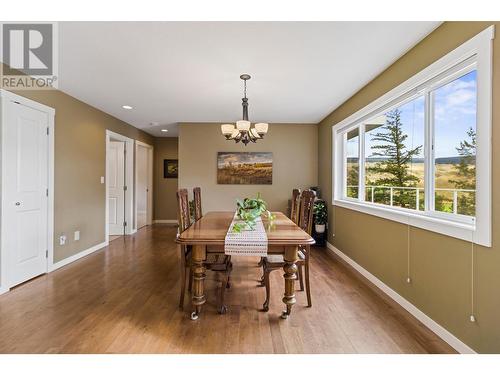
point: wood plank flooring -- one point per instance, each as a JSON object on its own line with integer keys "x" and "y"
{"x": 124, "y": 299}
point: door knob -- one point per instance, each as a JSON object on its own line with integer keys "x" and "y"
{"x": 18, "y": 203}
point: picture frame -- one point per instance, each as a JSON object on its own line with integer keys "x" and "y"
{"x": 170, "y": 168}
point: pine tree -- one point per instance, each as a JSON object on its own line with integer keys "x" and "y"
{"x": 394, "y": 168}
{"x": 466, "y": 173}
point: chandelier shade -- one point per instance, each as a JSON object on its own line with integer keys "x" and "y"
{"x": 227, "y": 129}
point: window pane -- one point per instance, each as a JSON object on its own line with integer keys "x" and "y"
{"x": 394, "y": 164}
{"x": 455, "y": 146}
{"x": 352, "y": 165}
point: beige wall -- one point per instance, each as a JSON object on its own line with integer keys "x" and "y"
{"x": 165, "y": 203}
{"x": 294, "y": 149}
{"x": 440, "y": 265}
{"x": 80, "y": 158}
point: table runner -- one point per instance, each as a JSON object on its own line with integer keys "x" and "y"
{"x": 246, "y": 242}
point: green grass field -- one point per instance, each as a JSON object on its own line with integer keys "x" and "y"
{"x": 444, "y": 173}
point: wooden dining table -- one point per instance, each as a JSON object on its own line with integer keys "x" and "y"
{"x": 208, "y": 234}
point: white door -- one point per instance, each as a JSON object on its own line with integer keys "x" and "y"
{"x": 116, "y": 184}
{"x": 25, "y": 198}
{"x": 142, "y": 165}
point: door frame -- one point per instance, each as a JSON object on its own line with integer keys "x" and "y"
{"x": 5, "y": 98}
{"x": 150, "y": 149}
{"x": 129, "y": 182}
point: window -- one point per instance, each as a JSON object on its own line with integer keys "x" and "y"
{"x": 410, "y": 156}
{"x": 455, "y": 145}
{"x": 352, "y": 163}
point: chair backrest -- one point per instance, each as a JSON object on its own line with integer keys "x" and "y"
{"x": 306, "y": 210}
{"x": 294, "y": 209}
{"x": 183, "y": 209}
{"x": 197, "y": 203}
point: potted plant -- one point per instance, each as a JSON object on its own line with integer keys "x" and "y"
{"x": 248, "y": 210}
{"x": 320, "y": 217}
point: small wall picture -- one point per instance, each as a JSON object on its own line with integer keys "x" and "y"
{"x": 245, "y": 168}
{"x": 170, "y": 168}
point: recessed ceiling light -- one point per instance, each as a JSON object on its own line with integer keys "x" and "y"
{"x": 164, "y": 130}
{"x": 126, "y": 107}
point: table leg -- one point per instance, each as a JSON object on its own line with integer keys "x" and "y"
{"x": 198, "y": 268}
{"x": 290, "y": 268}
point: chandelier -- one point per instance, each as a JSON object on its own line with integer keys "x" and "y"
{"x": 243, "y": 131}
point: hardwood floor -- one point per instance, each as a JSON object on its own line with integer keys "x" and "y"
{"x": 123, "y": 299}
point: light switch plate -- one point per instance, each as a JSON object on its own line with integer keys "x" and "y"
{"x": 62, "y": 240}
{"x": 102, "y": 179}
{"x": 77, "y": 235}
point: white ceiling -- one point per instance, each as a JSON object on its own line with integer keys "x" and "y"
{"x": 189, "y": 72}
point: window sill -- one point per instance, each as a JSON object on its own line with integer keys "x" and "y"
{"x": 463, "y": 231}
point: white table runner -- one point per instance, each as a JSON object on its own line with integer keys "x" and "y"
{"x": 246, "y": 242}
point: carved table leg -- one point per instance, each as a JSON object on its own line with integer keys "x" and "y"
{"x": 290, "y": 276}
{"x": 198, "y": 269}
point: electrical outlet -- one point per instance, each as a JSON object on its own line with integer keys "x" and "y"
{"x": 62, "y": 240}
{"x": 77, "y": 235}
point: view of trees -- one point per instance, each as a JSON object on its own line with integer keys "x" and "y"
{"x": 392, "y": 168}
{"x": 464, "y": 178}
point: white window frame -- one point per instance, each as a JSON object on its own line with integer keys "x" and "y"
{"x": 475, "y": 54}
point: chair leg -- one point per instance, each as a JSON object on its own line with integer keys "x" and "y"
{"x": 183, "y": 287}
{"x": 262, "y": 279}
{"x": 267, "y": 284}
{"x": 301, "y": 278}
{"x": 261, "y": 262}
{"x": 308, "y": 285}
{"x": 190, "y": 285}
{"x": 224, "y": 284}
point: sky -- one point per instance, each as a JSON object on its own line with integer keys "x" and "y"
{"x": 455, "y": 113}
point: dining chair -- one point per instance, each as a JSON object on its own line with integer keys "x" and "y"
{"x": 294, "y": 209}
{"x": 216, "y": 259}
{"x": 276, "y": 261}
{"x": 197, "y": 203}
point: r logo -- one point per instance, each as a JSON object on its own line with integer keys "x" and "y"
{"x": 28, "y": 48}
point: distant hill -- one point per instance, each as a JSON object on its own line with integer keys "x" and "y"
{"x": 444, "y": 160}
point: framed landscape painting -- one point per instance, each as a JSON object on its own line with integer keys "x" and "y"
{"x": 245, "y": 168}
{"x": 170, "y": 168}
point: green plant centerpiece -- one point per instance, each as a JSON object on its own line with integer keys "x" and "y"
{"x": 248, "y": 210}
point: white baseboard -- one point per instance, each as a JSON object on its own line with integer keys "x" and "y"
{"x": 77, "y": 256}
{"x": 165, "y": 222}
{"x": 447, "y": 336}
{"x": 3, "y": 290}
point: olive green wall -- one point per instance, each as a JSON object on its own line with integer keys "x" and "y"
{"x": 165, "y": 201}
{"x": 80, "y": 161}
{"x": 441, "y": 266}
{"x": 295, "y": 160}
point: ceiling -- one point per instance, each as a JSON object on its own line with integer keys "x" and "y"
{"x": 172, "y": 72}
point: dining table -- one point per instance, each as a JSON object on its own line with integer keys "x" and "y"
{"x": 208, "y": 234}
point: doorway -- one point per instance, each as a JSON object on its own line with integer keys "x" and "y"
{"x": 116, "y": 187}
{"x": 119, "y": 185}
{"x": 27, "y": 153}
{"x": 143, "y": 184}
